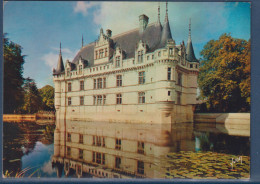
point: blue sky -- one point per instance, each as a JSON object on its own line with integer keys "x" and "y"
{"x": 40, "y": 26}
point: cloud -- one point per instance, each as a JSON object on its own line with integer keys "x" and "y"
{"x": 83, "y": 7}
{"x": 50, "y": 59}
{"x": 47, "y": 168}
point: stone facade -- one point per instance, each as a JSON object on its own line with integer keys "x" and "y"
{"x": 131, "y": 77}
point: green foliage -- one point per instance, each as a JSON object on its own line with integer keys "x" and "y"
{"x": 32, "y": 98}
{"x": 224, "y": 77}
{"x": 13, "y": 79}
{"x": 47, "y": 94}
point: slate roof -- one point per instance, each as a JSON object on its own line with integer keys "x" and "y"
{"x": 127, "y": 42}
{"x": 60, "y": 66}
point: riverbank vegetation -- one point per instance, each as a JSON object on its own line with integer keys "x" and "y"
{"x": 224, "y": 76}
{"x": 21, "y": 95}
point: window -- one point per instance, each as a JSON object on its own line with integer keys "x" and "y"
{"x": 80, "y": 154}
{"x": 98, "y": 141}
{"x": 140, "y": 167}
{"x": 104, "y": 82}
{"x": 68, "y": 151}
{"x": 119, "y": 80}
{"x": 68, "y": 72}
{"x": 94, "y": 100}
{"x": 98, "y": 158}
{"x": 80, "y": 138}
{"x": 171, "y": 51}
{"x": 196, "y": 66}
{"x": 141, "y": 97}
{"x": 99, "y": 100}
{"x": 99, "y": 83}
{"x": 118, "y": 144}
{"x": 96, "y": 54}
{"x": 141, "y": 78}
{"x": 152, "y": 56}
{"x": 81, "y": 100}
{"x": 191, "y": 65}
{"x": 80, "y": 69}
{"x": 69, "y": 86}
{"x": 118, "y": 61}
{"x": 179, "y": 75}
{"x": 104, "y": 99}
{"x": 117, "y": 162}
{"x": 140, "y": 56}
{"x": 81, "y": 85}
{"x": 69, "y": 100}
{"x": 95, "y": 83}
{"x": 159, "y": 54}
{"x": 140, "y": 147}
{"x": 68, "y": 137}
{"x": 169, "y": 93}
{"x": 178, "y": 98}
{"x": 169, "y": 73}
{"x": 148, "y": 57}
{"x": 106, "y": 52}
{"x": 118, "y": 99}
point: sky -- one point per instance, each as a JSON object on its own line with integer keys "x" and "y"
{"x": 40, "y": 26}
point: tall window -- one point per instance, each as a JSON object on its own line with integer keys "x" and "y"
{"x": 99, "y": 100}
{"x": 118, "y": 61}
{"x": 140, "y": 56}
{"x": 69, "y": 86}
{"x": 80, "y": 154}
{"x": 118, "y": 144}
{"x": 68, "y": 72}
{"x": 81, "y": 85}
{"x": 99, "y": 83}
{"x": 119, "y": 80}
{"x": 81, "y": 138}
{"x": 96, "y": 54}
{"x": 106, "y": 52}
{"x": 141, "y": 78}
{"x": 80, "y": 69}
{"x": 68, "y": 137}
{"x": 140, "y": 167}
{"x": 98, "y": 158}
{"x": 179, "y": 75}
{"x": 140, "y": 147}
{"x": 171, "y": 51}
{"x": 104, "y": 99}
{"x": 117, "y": 162}
{"x": 98, "y": 141}
{"x": 81, "y": 100}
{"x": 94, "y": 100}
{"x": 68, "y": 151}
{"x": 119, "y": 99}
{"x": 104, "y": 82}
{"x": 159, "y": 54}
{"x": 141, "y": 97}
{"x": 95, "y": 83}
{"x": 69, "y": 100}
{"x": 169, "y": 73}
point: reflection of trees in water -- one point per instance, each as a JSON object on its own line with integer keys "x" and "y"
{"x": 224, "y": 143}
{"x": 20, "y": 139}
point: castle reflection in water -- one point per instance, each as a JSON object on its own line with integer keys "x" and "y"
{"x": 117, "y": 150}
{"x": 124, "y": 150}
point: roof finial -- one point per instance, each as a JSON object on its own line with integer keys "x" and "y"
{"x": 82, "y": 41}
{"x": 190, "y": 28}
{"x": 60, "y": 48}
{"x": 166, "y": 15}
{"x": 158, "y": 12}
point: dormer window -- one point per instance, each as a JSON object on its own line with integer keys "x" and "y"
{"x": 171, "y": 51}
{"x": 106, "y": 52}
{"x": 140, "y": 56}
{"x": 118, "y": 61}
{"x": 96, "y": 54}
{"x": 159, "y": 54}
{"x": 68, "y": 72}
{"x": 80, "y": 69}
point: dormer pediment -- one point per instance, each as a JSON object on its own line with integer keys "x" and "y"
{"x": 142, "y": 46}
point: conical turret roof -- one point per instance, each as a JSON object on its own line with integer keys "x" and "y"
{"x": 60, "y": 66}
{"x": 190, "y": 56}
{"x": 166, "y": 30}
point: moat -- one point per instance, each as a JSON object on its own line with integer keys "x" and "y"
{"x": 122, "y": 150}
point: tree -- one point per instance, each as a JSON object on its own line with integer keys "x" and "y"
{"x": 32, "y": 98}
{"x": 224, "y": 77}
{"x": 13, "y": 79}
{"x": 47, "y": 94}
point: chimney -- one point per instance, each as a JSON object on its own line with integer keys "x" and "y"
{"x": 143, "y": 22}
{"x": 109, "y": 33}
